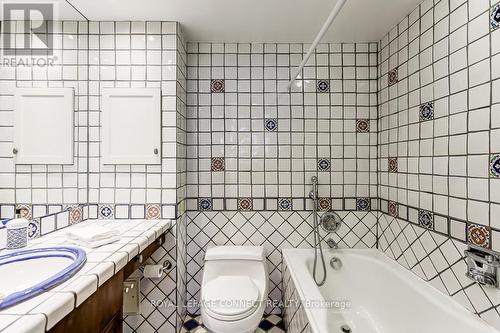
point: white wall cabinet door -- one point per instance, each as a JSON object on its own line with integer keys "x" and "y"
{"x": 43, "y": 126}
{"x": 131, "y": 126}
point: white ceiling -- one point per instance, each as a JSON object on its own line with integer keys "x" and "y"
{"x": 258, "y": 20}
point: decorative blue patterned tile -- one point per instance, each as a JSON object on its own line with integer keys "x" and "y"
{"x": 205, "y": 204}
{"x": 323, "y": 86}
{"x": 363, "y": 204}
{"x": 495, "y": 165}
{"x": 271, "y": 125}
{"x": 495, "y": 17}
{"x": 33, "y": 229}
{"x": 427, "y": 111}
{"x": 106, "y": 211}
{"x": 426, "y": 219}
{"x": 284, "y": 204}
{"x": 324, "y": 164}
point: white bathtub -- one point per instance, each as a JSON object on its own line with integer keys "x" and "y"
{"x": 384, "y": 297}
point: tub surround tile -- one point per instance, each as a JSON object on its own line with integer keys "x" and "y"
{"x": 153, "y": 212}
{"x": 284, "y": 204}
{"x": 205, "y": 204}
{"x": 363, "y": 204}
{"x": 362, "y": 125}
{"x": 426, "y": 219}
{"x": 106, "y": 211}
{"x": 217, "y": 86}
{"x": 245, "y": 204}
{"x": 323, "y": 86}
{"x": 324, "y": 164}
{"x": 495, "y": 165}
{"x": 392, "y": 77}
{"x": 479, "y": 235}
{"x": 495, "y": 17}
{"x": 271, "y": 125}
{"x": 393, "y": 164}
{"x": 324, "y": 204}
{"x": 393, "y": 208}
{"x": 218, "y": 164}
{"x": 426, "y": 111}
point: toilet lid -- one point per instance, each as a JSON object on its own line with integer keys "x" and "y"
{"x": 235, "y": 297}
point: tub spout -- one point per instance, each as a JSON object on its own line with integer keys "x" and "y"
{"x": 332, "y": 244}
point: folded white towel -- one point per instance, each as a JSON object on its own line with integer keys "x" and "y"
{"x": 91, "y": 233}
{"x": 96, "y": 243}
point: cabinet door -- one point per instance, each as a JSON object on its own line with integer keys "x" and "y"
{"x": 131, "y": 126}
{"x": 43, "y": 126}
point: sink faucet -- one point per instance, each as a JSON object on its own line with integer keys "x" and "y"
{"x": 332, "y": 244}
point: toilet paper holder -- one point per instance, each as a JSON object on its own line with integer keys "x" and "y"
{"x": 167, "y": 265}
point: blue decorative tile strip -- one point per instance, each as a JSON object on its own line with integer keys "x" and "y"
{"x": 427, "y": 111}
{"x": 393, "y": 77}
{"x": 426, "y": 219}
{"x": 495, "y": 165}
{"x": 205, "y": 204}
{"x": 271, "y": 125}
{"x": 323, "y": 86}
{"x": 324, "y": 164}
{"x": 393, "y": 164}
{"x": 217, "y": 86}
{"x": 284, "y": 204}
{"x": 106, "y": 211}
{"x": 495, "y": 17}
{"x": 363, "y": 204}
{"x": 362, "y": 126}
{"x": 218, "y": 163}
{"x": 245, "y": 204}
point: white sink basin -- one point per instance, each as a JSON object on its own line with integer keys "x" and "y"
{"x": 27, "y": 273}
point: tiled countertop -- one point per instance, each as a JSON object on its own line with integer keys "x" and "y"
{"x": 42, "y": 312}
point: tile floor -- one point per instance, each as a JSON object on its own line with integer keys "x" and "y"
{"x": 271, "y": 324}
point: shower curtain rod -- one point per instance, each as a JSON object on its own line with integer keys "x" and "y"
{"x": 324, "y": 29}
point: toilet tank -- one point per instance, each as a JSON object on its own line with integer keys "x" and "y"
{"x": 244, "y": 253}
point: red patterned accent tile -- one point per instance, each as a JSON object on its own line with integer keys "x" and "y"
{"x": 478, "y": 235}
{"x": 362, "y": 125}
{"x": 153, "y": 212}
{"x": 217, "y": 86}
{"x": 75, "y": 215}
{"x": 325, "y": 204}
{"x": 393, "y": 208}
{"x": 393, "y": 77}
{"x": 245, "y": 204}
{"x": 218, "y": 164}
{"x": 393, "y": 164}
{"x": 25, "y": 210}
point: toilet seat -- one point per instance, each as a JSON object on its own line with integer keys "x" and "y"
{"x": 230, "y": 298}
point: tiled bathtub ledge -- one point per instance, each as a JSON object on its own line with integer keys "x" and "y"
{"x": 42, "y": 312}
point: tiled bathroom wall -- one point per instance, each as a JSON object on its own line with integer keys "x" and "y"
{"x": 438, "y": 144}
{"x": 135, "y": 54}
{"x": 45, "y": 189}
{"x": 253, "y": 146}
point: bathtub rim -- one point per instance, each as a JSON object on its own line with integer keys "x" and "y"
{"x": 316, "y": 316}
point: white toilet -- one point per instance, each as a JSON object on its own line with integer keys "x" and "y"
{"x": 234, "y": 288}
